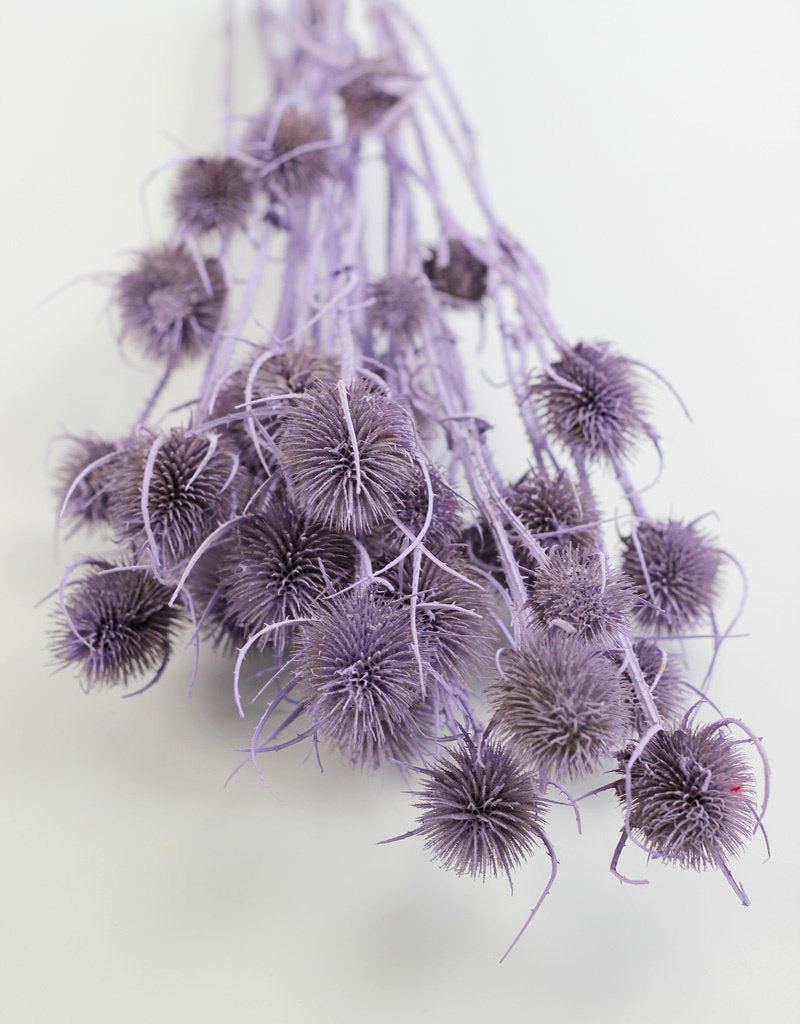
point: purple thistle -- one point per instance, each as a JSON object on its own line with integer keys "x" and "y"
{"x": 692, "y": 795}
{"x": 358, "y": 674}
{"x": 189, "y": 488}
{"x": 301, "y": 174}
{"x": 662, "y": 677}
{"x": 168, "y": 307}
{"x": 462, "y": 278}
{"x": 400, "y": 304}
{"x": 480, "y": 811}
{"x": 212, "y": 193}
{"x": 117, "y": 623}
{"x": 207, "y": 594}
{"x": 278, "y": 564}
{"x": 674, "y": 571}
{"x": 88, "y": 500}
{"x": 596, "y": 405}
{"x": 372, "y": 89}
{"x": 444, "y": 528}
{"x": 558, "y": 702}
{"x": 577, "y": 592}
{"x": 556, "y": 511}
{"x": 344, "y": 485}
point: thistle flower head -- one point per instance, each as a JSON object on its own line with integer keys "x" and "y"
{"x": 556, "y": 511}
{"x": 88, "y": 502}
{"x": 348, "y": 454}
{"x": 692, "y": 795}
{"x": 118, "y": 624}
{"x": 480, "y": 812}
{"x": 400, "y": 304}
{"x": 358, "y": 674}
{"x": 577, "y": 592}
{"x": 444, "y": 529}
{"x": 595, "y": 404}
{"x": 371, "y": 90}
{"x": 662, "y": 678}
{"x": 463, "y": 277}
{"x": 188, "y": 489}
{"x": 212, "y": 193}
{"x": 167, "y": 307}
{"x": 558, "y": 703}
{"x": 674, "y": 570}
{"x": 269, "y": 145}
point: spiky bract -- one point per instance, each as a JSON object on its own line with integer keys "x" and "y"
{"x": 167, "y": 307}
{"x": 118, "y": 624}
{"x": 596, "y": 403}
{"x": 194, "y": 486}
{"x": 692, "y": 795}
{"x": 400, "y": 304}
{"x": 662, "y": 678}
{"x": 267, "y": 145}
{"x": 556, "y": 511}
{"x": 463, "y": 277}
{"x": 675, "y": 577}
{"x": 358, "y": 674}
{"x": 558, "y": 702}
{"x": 480, "y": 812}
{"x": 344, "y": 488}
{"x": 212, "y": 193}
{"x": 578, "y": 592}
{"x": 88, "y": 502}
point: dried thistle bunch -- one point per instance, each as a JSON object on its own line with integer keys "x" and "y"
{"x": 331, "y": 502}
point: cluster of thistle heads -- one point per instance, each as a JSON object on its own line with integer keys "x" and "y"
{"x": 327, "y": 512}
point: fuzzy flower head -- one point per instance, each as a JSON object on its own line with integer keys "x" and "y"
{"x": 556, "y": 511}
{"x": 592, "y": 401}
{"x": 692, "y": 795}
{"x": 172, "y": 491}
{"x": 444, "y": 529}
{"x": 348, "y": 454}
{"x": 663, "y": 679}
{"x": 212, "y": 193}
{"x": 358, "y": 673}
{"x": 463, "y": 278}
{"x": 269, "y": 147}
{"x": 371, "y": 90}
{"x": 558, "y": 702}
{"x": 167, "y": 307}
{"x": 88, "y": 500}
{"x": 118, "y": 624}
{"x": 400, "y": 304}
{"x": 674, "y": 571}
{"x": 580, "y": 594}
{"x": 480, "y": 812}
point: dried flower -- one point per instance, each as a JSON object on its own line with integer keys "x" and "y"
{"x": 371, "y": 90}
{"x": 269, "y": 145}
{"x": 661, "y": 676}
{"x": 463, "y": 277}
{"x": 212, "y": 193}
{"x": 556, "y": 511}
{"x": 400, "y": 304}
{"x": 88, "y": 500}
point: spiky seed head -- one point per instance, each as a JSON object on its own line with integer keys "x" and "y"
{"x": 167, "y": 307}
{"x": 299, "y": 175}
{"x": 371, "y": 90}
{"x": 193, "y": 488}
{"x": 692, "y": 795}
{"x": 596, "y": 404}
{"x": 401, "y": 304}
{"x": 88, "y": 503}
{"x": 480, "y": 811}
{"x": 463, "y": 277}
{"x": 335, "y": 485}
{"x": 278, "y": 564}
{"x": 444, "y": 529}
{"x": 118, "y": 624}
{"x": 675, "y": 577}
{"x": 212, "y": 193}
{"x": 558, "y": 702}
{"x": 661, "y": 676}
{"x": 557, "y": 511}
{"x": 358, "y": 674}
{"x": 206, "y": 592}
{"x": 578, "y": 592}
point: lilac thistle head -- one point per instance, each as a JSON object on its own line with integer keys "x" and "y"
{"x": 692, "y": 795}
{"x": 344, "y": 485}
{"x": 662, "y": 678}
{"x": 480, "y": 811}
{"x": 118, "y": 624}
{"x": 372, "y": 89}
{"x": 401, "y": 304}
{"x": 88, "y": 502}
{"x": 444, "y": 528}
{"x": 674, "y": 573}
{"x": 577, "y": 592}
{"x": 358, "y": 674}
{"x": 167, "y": 307}
{"x": 558, "y": 702}
{"x": 558, "y": 513}
{"x": 462, "y": 278}
{"x": 596, "y": 403}
{"x": 212, "y": 193}
{"x": 278, "y": 564}
{"x": 295, "y": 176}
{"x": 191, "y": 486}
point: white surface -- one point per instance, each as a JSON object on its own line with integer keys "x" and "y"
{"x": 648, "y": 155}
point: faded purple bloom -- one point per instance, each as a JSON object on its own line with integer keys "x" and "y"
{"x": 167, "y": 307}
{"x": 692, "y": 795}
{"x": 480, "y": 811}
{"x": 358, "y": 674}
{"x": 444, "y": 528}
{"x": 577, "y": 591}
{"x": 344, "y": 485}
{"x": 556, "y": 511}
{"x": 559, "y": 703}
{"x": 675, "y": 576}
{"x": 661, "y": 675}
{"x": 212, "y": 193}
{"x": 118, "y": 624}
{"x": 596, "y": 404}
{"x": 401, "y": 304}
{"x": 463, "y": 277}
{"x": 371, "y": 90}
{"x": 298, "y": 175}
{"x": 88, "y": 501}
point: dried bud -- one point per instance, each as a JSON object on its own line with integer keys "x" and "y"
{"x": 464, "y": 277}
{"x": 212, "y": 193}
{"x": 371, "y": 90}
{"x": 400, "y": 304}
{"x": 88, "y": 502}
{"x": 663, "y": 679}
{"x": 556, "y": 512}
{"x": 298, "y": 175}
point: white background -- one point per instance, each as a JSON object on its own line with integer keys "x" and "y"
{"x": 648, "y": 155}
